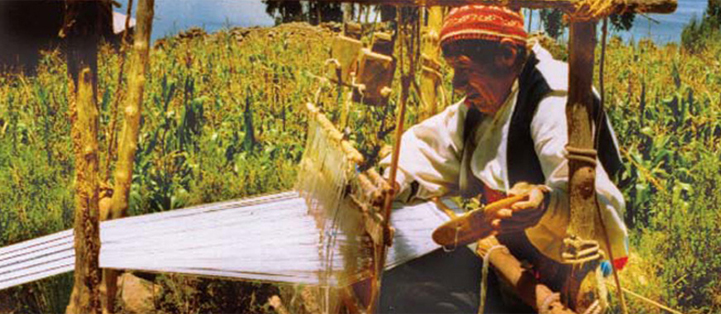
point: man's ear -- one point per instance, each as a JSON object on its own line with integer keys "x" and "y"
{"x": 508, "y": 53}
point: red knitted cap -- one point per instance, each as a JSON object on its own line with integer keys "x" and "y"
{"x": 484, "y": 22}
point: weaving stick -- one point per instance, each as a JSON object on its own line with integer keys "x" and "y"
{"x": 474, "y": 225}
{"x": 381, "y": 249}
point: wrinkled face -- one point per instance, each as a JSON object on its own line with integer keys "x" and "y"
{"x": 478, "y": 82}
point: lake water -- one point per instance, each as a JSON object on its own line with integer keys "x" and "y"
{"x": 667, "y": 27}
{"x": 172, "y": 16}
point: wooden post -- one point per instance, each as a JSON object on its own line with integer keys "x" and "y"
{"x": 582, "y": 168}
{"x": 129, "y": 135}
{"x": 430, "y": 67}
{"x": 114, "y": 109}
{"x": 86, "y": 297}
{"x": 133, "y": 107}
{"x": 582, "y": 174}
{"x": 83, "y": 22}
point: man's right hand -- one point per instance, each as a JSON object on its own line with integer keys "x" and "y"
{"x": 523, "y": 214}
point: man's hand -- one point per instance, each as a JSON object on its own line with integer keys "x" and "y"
{"x": 524, "y": 214}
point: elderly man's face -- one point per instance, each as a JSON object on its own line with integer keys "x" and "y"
{"x": 476, "y": 82}
{"x": 486, "y": 85}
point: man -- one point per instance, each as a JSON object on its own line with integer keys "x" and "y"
{"x": 508, "y": 135}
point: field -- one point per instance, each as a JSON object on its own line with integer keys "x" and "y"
{"x": 223, "y": 118}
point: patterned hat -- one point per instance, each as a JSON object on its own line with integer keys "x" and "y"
{"x": 484, "y": 22}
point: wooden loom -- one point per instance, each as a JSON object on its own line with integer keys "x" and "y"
{"x": 322, "y": 235}
{"x": 315, "y": 236}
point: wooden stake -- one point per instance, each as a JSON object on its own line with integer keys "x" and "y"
{"x": 582, "y": 175}
{"x": 86, "y": 295}
{"x": 81, "y": 26}
{"x": 111, "y": 131}
{"x": 131, "y": 129}
{"x": 133, "y": 108}
{"x": 583, "y": 222}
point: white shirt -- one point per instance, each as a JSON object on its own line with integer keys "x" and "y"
{"x": 431, "y": 154}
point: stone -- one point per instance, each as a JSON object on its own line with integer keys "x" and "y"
{"x": 137, "y": 294}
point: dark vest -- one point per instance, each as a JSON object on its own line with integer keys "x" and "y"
{"x": 522, "y": 161}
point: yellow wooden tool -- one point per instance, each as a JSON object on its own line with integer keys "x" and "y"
{"x": 474, "y": 225}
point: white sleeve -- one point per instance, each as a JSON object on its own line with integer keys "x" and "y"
{"x": 550, "y": 136}
{"x": 431, "y": 154}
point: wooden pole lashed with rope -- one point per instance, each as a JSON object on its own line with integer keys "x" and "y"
{"x": 582, "y": 157}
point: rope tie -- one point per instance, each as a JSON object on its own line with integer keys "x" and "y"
{"x": 433, "y": 72}
{"x": 595, "y": 308}
{"x": 587, "y": 155}
{"x": 545, "y": 307}
{"x": 431, "y": 67}
{"x": 360, "y": 88}
{"x": 484, "y": 275}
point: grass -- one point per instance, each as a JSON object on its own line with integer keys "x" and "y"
{"x": 667, "y": 113}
